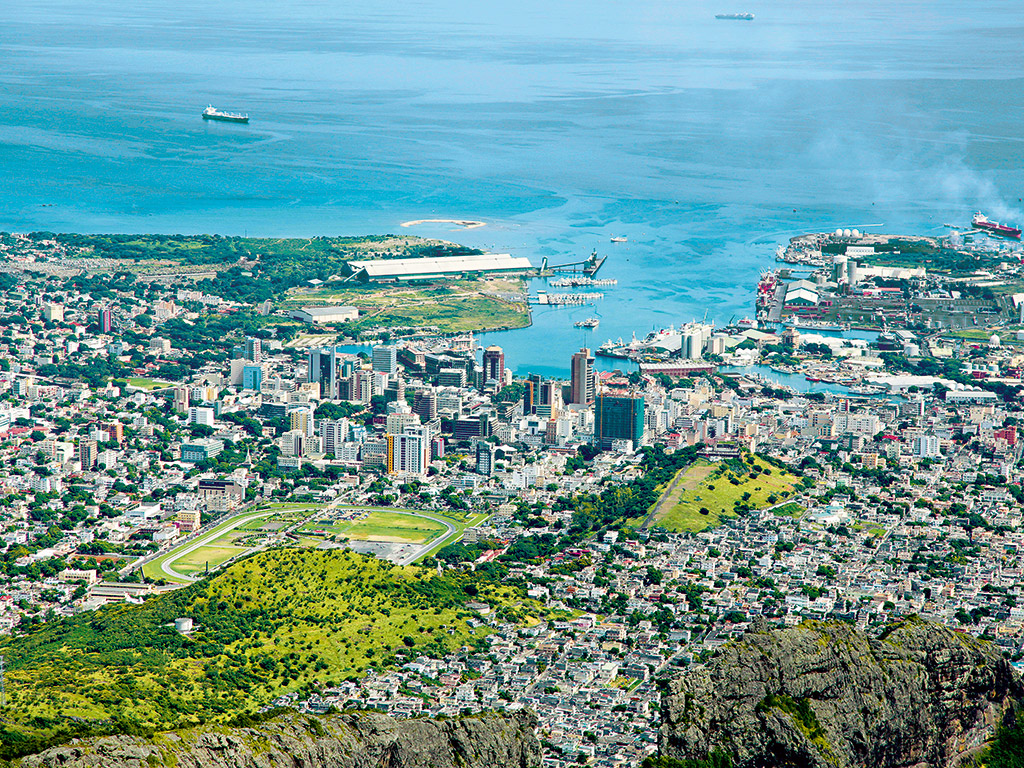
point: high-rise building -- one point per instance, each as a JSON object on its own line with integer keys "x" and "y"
{"x": 618, "y": 417}
{"x": 400, "y": 421}
{"x": 409, "y": 452}
{"x": 385, "y": 359}
{"x": 201, "y": 416}
{"x": 484, "y": 458}
{"x": 53, "y": 313}
{"x": 541, "y": 398}
{"x": 926, "y": 446}
{"x": 87, "y": 454}
{"x": 253, "y": 349}
{"x": 293, "y": 443}
{"x": 323, "y": 368}
{"x": 301, "y": 419}
{"x": 105, "y": 320}
{"x": 252, "y": 377}
{"x": 583, "y": 383}
{"x": 424, "y": 404}
{"x": 181, "y": 399}
{"x": 332, "y": 435}
{"x": 494, "y": 365}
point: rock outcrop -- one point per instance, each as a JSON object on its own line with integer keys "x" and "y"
{"x": 360, "y": 740}
{"x": 826, "y": 696}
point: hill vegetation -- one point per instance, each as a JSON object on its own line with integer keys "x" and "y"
{"x": 278, "y": 621}
{"x": 704, "y": 494}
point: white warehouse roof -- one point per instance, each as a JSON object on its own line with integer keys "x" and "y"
{"x": 333, "y": 314}
{"x": 441, "y": 265}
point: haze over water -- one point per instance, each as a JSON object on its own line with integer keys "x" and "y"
{"x": 704, "y": 142}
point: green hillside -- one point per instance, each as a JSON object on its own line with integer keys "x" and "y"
{"x": 278, "y": 621}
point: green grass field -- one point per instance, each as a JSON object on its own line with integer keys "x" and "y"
{"x": 149, "y": 384}
{"x": 380, "y": 525}
{"x": 703, "y": 494}
{"x": 154, "y": 568}
{"x": 196, "y": 561}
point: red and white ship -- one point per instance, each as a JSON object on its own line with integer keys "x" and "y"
{"x": 980, "y": 221}
{"x": 766, "y": 287}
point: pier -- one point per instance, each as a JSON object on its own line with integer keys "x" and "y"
{"x": 588, "y": 266}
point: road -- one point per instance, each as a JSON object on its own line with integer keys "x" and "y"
{"x": 451, "y": 534}
{"x": 450, "y": 531}
{"x": 203, "y": 541}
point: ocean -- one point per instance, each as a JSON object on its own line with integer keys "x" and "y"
{"x": 561, "y": 124}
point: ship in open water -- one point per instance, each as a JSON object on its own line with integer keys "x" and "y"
{"x": 211, "y": 113}
{"x": 735, "y": 16}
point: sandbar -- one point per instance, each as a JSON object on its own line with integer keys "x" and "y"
{"x": 464, "y": 223}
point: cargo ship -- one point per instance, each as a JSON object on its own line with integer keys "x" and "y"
{"x": 735, "y": 16}
{"x": 210, "y": 113}
{"x": 980, "y": 221}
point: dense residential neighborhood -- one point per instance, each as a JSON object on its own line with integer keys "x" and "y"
{"x": 154, "y": 432}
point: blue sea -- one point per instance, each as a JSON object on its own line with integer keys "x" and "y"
{"x": 706, "y": 143}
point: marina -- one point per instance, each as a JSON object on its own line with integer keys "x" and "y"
{"x": 580, "y": 282}
{"x": 565, "y": 299}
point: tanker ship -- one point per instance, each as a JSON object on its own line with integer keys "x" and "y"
{"x": 210, "y": 113}
{"x": 980, "y": 221}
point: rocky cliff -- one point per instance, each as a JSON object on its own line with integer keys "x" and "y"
{"x": 826, "y": 696}
{"x": 361, "y": 740}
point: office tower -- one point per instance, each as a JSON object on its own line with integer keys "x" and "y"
{"x": 323, "y": 368}
{"x": 253, "y": 349}
{"x": 252, "y": 377}
{"x": 618, "y": 417}
{"x": 424, "y": 404}
{"x": 494, "y": 365}
{"x": 394, "y": 392}
{"x": 583, "y": 383}
{"x": 293, "y": 443}
{"x": 531, "y": 394}
{"x": 105, "y": 320}
{"x": 385, "y": 359}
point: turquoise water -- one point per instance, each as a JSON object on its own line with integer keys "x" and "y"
{"x": 704, "y": 142}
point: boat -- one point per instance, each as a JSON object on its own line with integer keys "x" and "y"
{"x": 735, "y": 16}
{"x": 981, "y": 221}
{"x": 619, "y": 240}
{"x": 211, "y": 113}
{"x": 814, "y": 325}
{"x": 590, "y": 322}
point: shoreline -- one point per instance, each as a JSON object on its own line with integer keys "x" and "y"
{"x": 463, "y": 223}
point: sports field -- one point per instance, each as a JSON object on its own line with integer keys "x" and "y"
{"x": 197, "y": 560}
{"x": 379, "y": 525}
